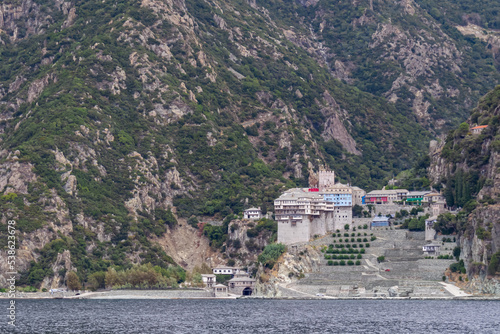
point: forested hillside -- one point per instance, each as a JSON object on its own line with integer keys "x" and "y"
{"x": 120, "y": 117}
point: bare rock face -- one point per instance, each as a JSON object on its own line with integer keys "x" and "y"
{"x": 334, "y": 128}
{"x": 481, "y": 286}
{"x": 292, "y": 265}
{"x": 63, "y": 262}
{"x": 15, "y": 176}
{"x": 70, "y": 186}
{"x": 244, "y": 243}
{"x": 188, "y": 247}
{"x": 38, "y": 86}
{"x": 152, "y": 190}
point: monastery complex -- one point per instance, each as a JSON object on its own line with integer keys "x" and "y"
{"x": 326, "y": 206}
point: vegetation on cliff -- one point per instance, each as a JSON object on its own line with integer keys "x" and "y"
{"x": 468, "y": 164}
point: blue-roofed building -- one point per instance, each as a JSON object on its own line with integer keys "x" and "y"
{"x": 380, "y": 221}
{"x": 339, "y": 199}
{"x": 341, "y": 196}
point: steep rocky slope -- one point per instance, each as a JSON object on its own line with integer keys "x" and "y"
{"x": 466, "y": 164}
{"x": 416, "y": 53}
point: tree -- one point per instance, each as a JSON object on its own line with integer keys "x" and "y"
{"x": 111, "y": 279}
{"x": 346, "y": 227}
{"x": 494, "y": 265}
{"x": 96, "y": 281}
{"x": 357, "y": 210}
{"x": 72, "y": 281}
{"x": 456, "y": 252}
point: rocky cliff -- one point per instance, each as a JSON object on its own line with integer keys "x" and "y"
{"x": 466, "y": 165}
{"x": 289, "y": 268}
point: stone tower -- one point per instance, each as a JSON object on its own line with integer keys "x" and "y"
{"x": 326, "y": 179}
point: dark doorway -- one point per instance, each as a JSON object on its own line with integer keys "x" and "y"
{"x": 247, "y": 291}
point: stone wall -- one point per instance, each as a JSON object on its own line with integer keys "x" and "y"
{"x": 289, "y": 234}
{"x": 304, "y": 229}
{"x": 342, "y": 216}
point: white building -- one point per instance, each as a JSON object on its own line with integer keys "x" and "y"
{"x": 209, "y": 280}
{"x": 301, "y": 215}
{"x": 433, "y": 197}
{"x": 431, "y": 249}
{"x": 225, "y": 270}
{"x": 221, "y": 270}
{"x": 478, "y": 129}
{"x": 252, "y": 213}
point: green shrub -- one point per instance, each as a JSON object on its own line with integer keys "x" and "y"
{"x": 367, "y": 245}
{"x": 494, "y": 265}
{"x": 350, "y": 263}
{"x": 335, "y": 263}
{"x": 330, "y": 263}
{"x": 380, "y": 259}
{"x": 373, "y": 238}
{"x": 456, "y": 252}
{"x": 458, "y": 267}
{"x": 358, "y": 263}
{"x": 342, "y": 263}
{"x": 359, "y": 256}
{"x": 270, "y": 254}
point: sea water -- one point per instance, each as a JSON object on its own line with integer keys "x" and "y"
{"x": 253, "y": 316}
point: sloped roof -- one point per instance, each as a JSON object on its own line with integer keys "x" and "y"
{"x": 242, "y": 279}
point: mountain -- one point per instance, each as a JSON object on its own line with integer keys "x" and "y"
{"x": 433, "y": 57}
{"x": 466, "y": 165}
{"x": 124, "y": 123}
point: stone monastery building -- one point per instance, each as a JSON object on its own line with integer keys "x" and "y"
{"x": 302, "y": 213}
